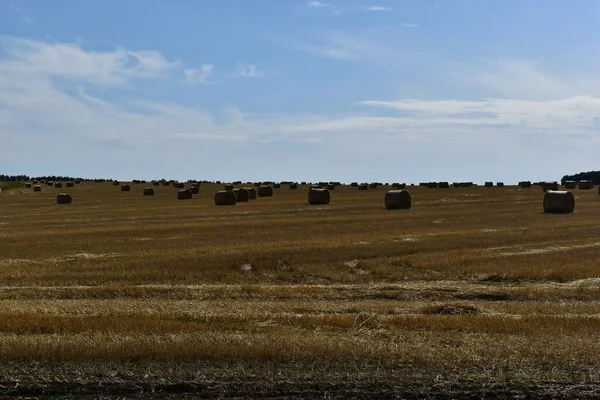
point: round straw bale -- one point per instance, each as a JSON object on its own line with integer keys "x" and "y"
{"x": 70, "y": 184}
{"x": 252, "y": 192}
{"x": 116, "y": 183}
{"x": 373, "y": 185}
{"x": 500, "y": 184}
{"x": 58, "y": 185}
{"x": 178, "y": 185}
{"x": 489, "y": 184}
{"x": 194, "y": 189}
{"x": 330, "y": 187}
{"x": 277, "y": 186}
{"x": 125, "y": 188}
{"x": 432, "y": 185}
{"x": 35, "y": 182}
{"x": 257, "y": 184}
{"x": 318, "y": 196}
{"x": 354, "y": 184}
{"x": 315, "y": 187}
{"x": 64, "y": 198}
{"x": 443, "y": 185}
{"x": 166, "y": 183}
{"x": 184, "y": 194}
{"x": 561, "y": 202}
{"x": 549, "y": 186}
{"x": 148, "y": 191}
{"x": 363, "y": 186}
{"x": 525, "y": 184}
{"x": 570, "y": 185}
{"x": 37, "y": 188}
{"x": 155, "y": 183}
{"x": 586, "y": 185}
{"x": 225, "y": 198}
{"x": 265, "y": 191}
{"x": 228, "y": 186}
{"x": 397, "y": 200}
{"x": 28, "y": 186}
{"x": 77, "y": 182}
{"x": 242, "y": 194}
{"x": 293, "y": 186}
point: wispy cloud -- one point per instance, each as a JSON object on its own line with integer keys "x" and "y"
{"x": 317, "y": 4}
{"x": 249, "y": 71}
{"x": 70, "y": 61}
{"x": 198, "y": 75}
{"x": 22, "y": 14}
{"x": 379, "y": 8}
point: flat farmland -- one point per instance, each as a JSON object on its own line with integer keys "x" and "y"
{"x": 473, "y": 290}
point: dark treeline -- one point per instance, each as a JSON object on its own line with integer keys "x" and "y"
{"x": 23, "y": 178}
{"x": 583, "y": 176}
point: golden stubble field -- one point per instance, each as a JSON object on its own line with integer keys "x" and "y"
{"x": 473, "y": 290}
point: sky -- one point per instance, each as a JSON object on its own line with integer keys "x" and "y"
{"x": 353, "y": 90}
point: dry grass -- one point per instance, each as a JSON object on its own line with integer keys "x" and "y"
{"x": 470, "y": 286}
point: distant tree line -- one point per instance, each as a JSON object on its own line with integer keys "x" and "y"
{"x": 583, "y": 176}
{"x": 23, "y": 178}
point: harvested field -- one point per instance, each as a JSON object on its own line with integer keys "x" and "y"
{"x": 471, "y": 291}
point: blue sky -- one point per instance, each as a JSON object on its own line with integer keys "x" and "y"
{"x": 357, "y": 90}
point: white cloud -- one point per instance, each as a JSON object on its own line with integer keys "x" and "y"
{"x": 317, "y": 4}
{"x": 451, "y": 139}
{"x": 379, "y": 8}
{"x": 22, "y": 14}
{"x": 249, "y": 71}
{"x": 70, "y": 61}
{"x": 198, "y": 75}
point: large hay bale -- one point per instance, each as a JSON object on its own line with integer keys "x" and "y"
{"x": 116, "y": 183}
{"x": 228, "y": 186}
{"x": 37, "y": 188}
{"x": 586, "y": 185}
{"x": 525, "y": 184}
{"x": 330, "y": 187}
{"x": 125, "y": 188}
{"x": 77, "y": 182}
{"x": 184, "y": 194}
{"x": 50, "y": 183}
{"x": 318, "y": 196}
{"x": 28, "y": 186}
{"x": 265, "y": 191}
{"x": 570, "y": 184}
{"x": 293, "y": 186}
{"x": 443, "y": 185}
{"x": 373, "y": 185}
{"x": 549, "y": 186}
{"x": 166, "y": 183}
{"x": 194, "y": 189}
{"x": 70, "y": 184}
{"x": 354, "y": 184}
{"x": 178, "y": 185}
{"x": 242, "y": 195}
{"x": 500, "y": 184}
{"x": 58, "y": 185}
{"x": 252, "y": 192}
{"x": 148, "y": 191}
{"x": 560, "y": 202}
{"x": 35, "y": 182}
{"x": 432, "y": 185}
{"x": 257, "y": 184}
{"x": 315, "y": 187}
{"x": 489, "y": 184}
{"x": 277, "y": 186}
{"x": 64, "y": 198}
{"x": 225, "y": 198}
{"x": 363, "y": 186}
{"x": 397, "y": 200}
